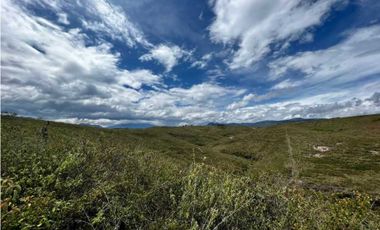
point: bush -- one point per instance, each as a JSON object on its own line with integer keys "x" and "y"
{"x": 82, "y": 183}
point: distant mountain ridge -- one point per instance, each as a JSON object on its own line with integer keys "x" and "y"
{"x": 131, "y": 126}
{"x": 264, "y": 123}
{"x": 90, "y": 125}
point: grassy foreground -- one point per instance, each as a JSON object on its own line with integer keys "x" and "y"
{"x": 191, "y": 177}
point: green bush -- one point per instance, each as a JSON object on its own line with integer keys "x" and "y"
{"x": 91, "y": 181}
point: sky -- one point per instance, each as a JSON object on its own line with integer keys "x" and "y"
{"x": 170, "y": 62}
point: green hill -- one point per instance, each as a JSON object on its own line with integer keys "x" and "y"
{"x": 322, "y": 174}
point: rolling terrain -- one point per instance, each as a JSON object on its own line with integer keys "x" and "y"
{"x": 174, "y": 176}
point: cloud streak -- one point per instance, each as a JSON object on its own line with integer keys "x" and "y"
{"x": 261, "y": 26}
{"x": 348, "y": 61}
{"x": 112, "y": 21}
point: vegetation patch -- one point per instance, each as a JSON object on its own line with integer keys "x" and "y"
{"x": 160, "y": 178}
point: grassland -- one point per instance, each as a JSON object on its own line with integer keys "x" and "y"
{"x": 191, "y": 177}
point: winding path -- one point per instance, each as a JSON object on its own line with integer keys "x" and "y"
{"x": 293, "y": 164}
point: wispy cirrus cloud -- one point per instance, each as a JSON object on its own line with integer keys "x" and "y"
{"x": 347, "y": 61}
{"x": 203, "y": 62}
{"x": 260, "y": 27}
{"x": 111, "y": 20}
{"x": 102, "y": 17}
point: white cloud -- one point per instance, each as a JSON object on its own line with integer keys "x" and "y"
{"x": 308, "y": 37}
{"x": 137, "y": 78}
{"x": 286, "y": 84}
{"x": 101, "y": 16}
{"x": 166, "y": 55}
{"x": 204, "y": 93}
{"x": 352, "y": 59}
{"x": 306, "y": 108}
{"x": 63, "y": 18}
{"x": 192, "y": 104}
{"x": 112, "y": 20}
{"x": 259, "y": 25}
{"x": 242, "y": 103}
{"x": 203, "y": 62}
{"x": 104, "y": 122}
{"x": 47, "y": 70}
{"x": 50, "y": 72}
{"x": 358, "y": 100}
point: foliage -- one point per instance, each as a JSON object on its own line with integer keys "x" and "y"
{"x": 89, "y": 178}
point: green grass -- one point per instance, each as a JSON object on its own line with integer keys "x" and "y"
{"x": 191, "y": 177}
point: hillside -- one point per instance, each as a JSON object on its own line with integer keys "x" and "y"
{"x": 202, "y": 177}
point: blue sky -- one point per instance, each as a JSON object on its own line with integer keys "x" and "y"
{"x": 175, "y": 62}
